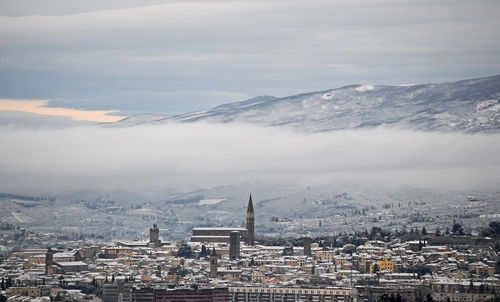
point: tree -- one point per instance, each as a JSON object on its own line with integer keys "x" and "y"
{"x": 438, "y": 232}
{"x": 375, "y": 230}
{"x": 204, "y": 251}
{"x": 457, "y": 229}
{"x": 495, "y": 226}
{"x": 424, "y": 231}
{"x": 349, "y": 249}
{"x": 185, "y": 251}
{"x": 399, "y": 298}
{"x": 8, "y": 283}
{"x": 178, "y": 271}
{"x": 429, "y": 298}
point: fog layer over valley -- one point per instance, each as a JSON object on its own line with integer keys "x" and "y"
{"x": 185, "y": 175}
{"x": 156, "y": 158}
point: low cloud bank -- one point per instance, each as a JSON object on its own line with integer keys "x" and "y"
{"x": 157, "y": 158}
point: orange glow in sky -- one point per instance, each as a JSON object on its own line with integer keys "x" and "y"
{"x": 39, "y": 107}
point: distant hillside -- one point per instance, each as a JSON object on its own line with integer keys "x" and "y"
{"x": 468, "y": 105}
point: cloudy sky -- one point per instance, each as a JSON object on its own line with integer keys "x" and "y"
{"x": 99, "y": 60}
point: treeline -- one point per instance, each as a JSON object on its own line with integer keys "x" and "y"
{"x": 24, "y": 197}
{"x": 376, "y": 233}
{"x": 5, "y": 226}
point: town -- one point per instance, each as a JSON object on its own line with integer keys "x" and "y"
{"x": 236, "y": 264}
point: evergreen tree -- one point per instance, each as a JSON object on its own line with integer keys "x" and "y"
{"x": 424, "y": 231}
{"x": 8, "y": 283}
{"x": 185, "y": 251}
{"x": 399, "y": 298}
{"x": 495, "y": 227}
{"x": 204, "y": 251}
{"x": 457, "y": 229}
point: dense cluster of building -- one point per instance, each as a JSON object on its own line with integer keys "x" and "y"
{"x": 227, "y": 264}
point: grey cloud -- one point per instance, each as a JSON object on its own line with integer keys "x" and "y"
{"x": 68, "y": 7}
{"x": 173, "y": 51}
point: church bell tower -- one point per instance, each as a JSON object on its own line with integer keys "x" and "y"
{"x": 213, "y": 264}
{"x": 250, "y": 222}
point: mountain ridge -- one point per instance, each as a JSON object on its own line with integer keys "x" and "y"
{"x": 470, "y": 105}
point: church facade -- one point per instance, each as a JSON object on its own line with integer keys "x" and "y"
{"x": 222, "y": 234}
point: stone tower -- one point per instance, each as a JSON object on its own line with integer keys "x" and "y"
{"x": 154, "y": 236}
{"x": 250, "y": 222}
{"x": 307, "y": 246}
{"x": 213, "y": 264}
{"x": 49, "y": 260}
{"x": 234, "y": 245}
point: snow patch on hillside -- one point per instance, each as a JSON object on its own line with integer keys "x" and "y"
{"x": 493, "y": 104}
{"x": 365, "y": 88}
{"x": 210, "y": 201}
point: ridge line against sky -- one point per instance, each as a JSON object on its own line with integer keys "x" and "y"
{"x": 42, "y": 107}
{"x": 174, "y": 57}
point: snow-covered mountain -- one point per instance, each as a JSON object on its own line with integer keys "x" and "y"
{"x": 468, "y": 105}
{"x": 135, "y": 120}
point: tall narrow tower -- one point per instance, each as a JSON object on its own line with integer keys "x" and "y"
{"x": 234, "y": 245}
{"x": 154, "y": 236}
{"x": 250, "y": 221}
{"x": 213, "y": 264}
{"x": 49, "y": 260}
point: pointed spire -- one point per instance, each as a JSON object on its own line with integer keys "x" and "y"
{"x": 250, "y": 205}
